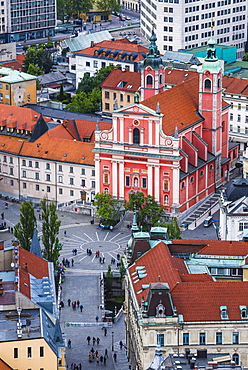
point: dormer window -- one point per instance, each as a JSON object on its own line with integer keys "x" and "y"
{"x": 160, "y": 310}
{"x": 223, "y": 312}
{"x": 243, "y": 312}
{"x": 96, "y": 52}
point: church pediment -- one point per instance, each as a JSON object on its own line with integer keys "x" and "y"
{"x": 136, "y": 108}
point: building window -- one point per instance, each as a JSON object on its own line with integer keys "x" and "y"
{"x": 23, "y": 162}
{"x": 83, "y": 171}
{"x": 239, "y": 106}
{"x": 231, "y": 116}
{"x": 93, "y": 184}
{"x": 71, "y": 181}
{"x": 37, "y": 187}
{"x": 160, "y": 339}
{"x": 185, "y": 339}
{"x": 207, "y": 84}
{"x": 166, "y": 185}
{"x": 95, "y": 63}
{"x": 128, "y": 98}
{"x": 127, "y": 180}
{"x": 136, "y": 136}
{"x": 106, "y": 106}
{"x": 11, "y": 160}
{"x": 201, "y": 173}
{"x": 48, "y": 177}
{"x": 60, "y": 179}
{"x": 239, "y": 118}
{"x": 36, "y": 164}
{"x": 235, "y": 358}
{"x": 202, "y": 339}
{"x": 24, "y": 173}
{"x": 7, "y": 87}
{"x": 41, "y": 351}
{"x": 211, "y": 167}
{"x": 106, "y": 94}
{"x": 243, "y": 312}
{"x": 93, "y": 173}
{"x": 30, "y": 164}
{"x": 136, "y": 182}
{"x": 48, "y": 189}
{"x": 231, "y": 127}
{"x": 238, "y": 129}
{"x": 60, "y": 191}
{"x": 114, "y": 96}
{"x": 183, "y": 185}
{"x": 218, "y": 338}
{"x": 24, "y": 185}
{"x": 60, "y": 168}
{"x": 11, "y": 182}
{"x": 15, "y": 352}
{"x": 37, "y": 175}
{"x": 29, "y": 352}
{"x": 121, "y": 97}
{"x": 144, "y": 182}
{"x": 71, "y": 169}
{"x": 191, "y": 179}
{"x": 87, "y": 64}
{"x": 48, "y": 166}
{"x": 166, "y": 200}
{"x": 235, "y": 338}
{"x": 105, "y": 179}
{"x": 11, "y": 171}
{"x": 82, "y": 182}
{"x": 71, "y": 193}
{"x": 149, "y": 80}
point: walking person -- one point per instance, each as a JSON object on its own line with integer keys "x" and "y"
{"x": 101, "y": 359}
{"x": 72, "y": 262}
{"x": 97, "y": 341}
{"x": 94, "y": 341}
{"x": 78, "y": 303}
{"x": 104, "y": 360}
{"x": 64, "y": 233}
{"x": 81, "y": 307}
{"x": 69, "y": 302}
{"x": 121, "y": 344}
{"x": 105, "y": 332}
{"x": 115, "y": 356}
{"x": 2, "y": 215}
{"x": 97, "y": 318}
{"x": 88, "y": 339}
{"x": 106, "y": 353}
{"x": 69, "y": 343}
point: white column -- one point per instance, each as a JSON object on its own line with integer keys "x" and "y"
{"x": 114, "y": 179}
{"x": 142, "y": 136}
{"x": 150, "y": 133}
{"x": 121, "y": 129}
{"x": 115, "y": 128}
{"x": 157, "y": 183}
{"x": 175, "y": 184}
{"x": 98, "y": 175}
{"x": 121, "y": 179}
{"x": 130, "y": 135}
{"x": 150, "y": 180}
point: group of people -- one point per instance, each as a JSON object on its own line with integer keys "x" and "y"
{"x": 75, "y": 304}
{"x": 94, "y": 355}
{"x": 74, "y": 252}
{"x": 76, "y": 367}
{"x": 66, "y": 262}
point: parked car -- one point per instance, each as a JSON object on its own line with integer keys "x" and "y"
{"x": 208, "y": 222}
{"x": 122, "y": 18}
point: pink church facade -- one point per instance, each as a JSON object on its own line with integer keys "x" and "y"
{"x": 173, "y": 145}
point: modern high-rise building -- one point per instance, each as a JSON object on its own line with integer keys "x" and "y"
{"x": 183, "y": 24}
{"x": 26, "y": 19}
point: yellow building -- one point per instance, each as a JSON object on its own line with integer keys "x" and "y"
{"x": 17, "y": 88}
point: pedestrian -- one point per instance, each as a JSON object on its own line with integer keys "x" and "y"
{"x": 78, "y": 303}
{"x": 100, "y": 259}
{"x": 97, "y": 318}
{"x": 64, "y": 232}
{"x": 111, "y": 228}
{"x": 62, "y": 304}
{"x": 81, "y": 307}
{"x": 69, "y": 343}
{"x": 96, "y": 353}
{"x": 11, "y": 230}
{"x": 104, "y": 360}
{"x": 39, "y": 216}
{"x": 105, "y": 332}
{"x": 72, "y": 262}
{"x": 80, "y": 366}
{"x": 92, "y": 350}
{"x": 101, "y": 359}
{"x": 69, "y": 302}
{"x": 121, "y": 344}
{"x": 103, "y": 260}
{"x": 88, "y": 339}
{"x": 97, "y": 341}
{"x": 115, "y": 356}
{"x": 75, "y": 252}
{"x": 2, "y": 215}
{"x": 63, "y": 261}
{"x": 106, "y": 353}
{"x": 94, "y": 341}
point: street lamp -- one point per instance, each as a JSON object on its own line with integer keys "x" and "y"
{"x": 112, "y": 341}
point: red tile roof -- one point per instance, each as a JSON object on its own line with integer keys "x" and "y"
{"x": 18, "y": 117}
{"x": 196, "y": 278}
{"x": 202, "y": 301}
{"x": 121, "y": 46}
{"x": 4, "y": 366}
{"x": 225, "y": 248}
{"x": 116, "y": 76}
{"x": 20, "y": 58}
{"x": 235, "y": 85}
{"x": 14, "y": 64}
{"x": 178, "y": 76}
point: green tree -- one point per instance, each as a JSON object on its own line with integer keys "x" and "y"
{"x": 108, "y": 5}
{"x": 80, "y": 103}
{"x": 107, "y": 207}
{"x": 173, "y": 229}
{"x": 50, "y": 231}
{"x": 245, "y": 57}
{"x": 24, "y": 229}
{"x": 109, "y": 279}
{"x": 122, "y": 270}
{"x": 39, "y": 57}
{"x": 149, "y": 212}
{"x": 61, "y": 95}
{"x": 87, "y": 84}
{"x": 34, "y": 69}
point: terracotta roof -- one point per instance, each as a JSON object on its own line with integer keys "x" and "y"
{"x": 177, "y": 76}
{"x": 4, "y": 365}
{"x": 235, "y": 85}
{"x": 117, "y": 76}
{"x": 20, "y": 58}
{"x": 119, "y": 46}
{"x": 202, "y": 301}
{"x": 196, "y": 278}
{"x": 30, "y": 264}
{"x": 15, "y": 64}
{"x": 7, "y": 144}
{"x": 18, "y": 117}
{"x": 225, "y": 248}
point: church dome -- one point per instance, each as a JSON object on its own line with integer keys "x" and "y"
{"x": 153, "y": 58}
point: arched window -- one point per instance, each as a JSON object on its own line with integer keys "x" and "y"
{"x": 166, "y": 200}
{"x": 191, "y": 179}
{"x": 211, "y": 167}
{"x": 219, "y": 83}
{"x": 166, "y": 185}
{"x": 236, "y": 358}
{"x": 207, "y": 84}
{"x": 201, "y": 173}
{"x": 183, "y": 185}
{"x": 149, "y": 80}
{"x": 135, "y": 182}
{"x": 160, "y": 79}
{"x": 105, "y": 179}
{"x": 136, "y": 136}
{"x": 106, "y": 190}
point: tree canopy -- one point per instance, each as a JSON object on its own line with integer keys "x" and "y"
{"x": 108, "y": 5}
{"x": 34, "y": 69}
{"x": 67, "y": 8}
{"x": 245, "y": 57}
{"x": 24, "y": 229}
{"x": 38, "y": 57}
{"x": 107, "y": 207}
{"x": 149, "y": 212}
{"x": 87, "y": 84}
{"x": 173, "y": 229}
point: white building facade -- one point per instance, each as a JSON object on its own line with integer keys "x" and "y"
{"x": 184, "y": 24}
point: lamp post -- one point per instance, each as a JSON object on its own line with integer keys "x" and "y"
{"x": 112, "y": 341}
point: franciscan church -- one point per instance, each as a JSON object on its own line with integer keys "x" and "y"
{"x": 172, "y": 144}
